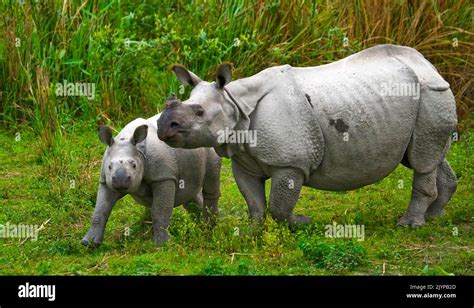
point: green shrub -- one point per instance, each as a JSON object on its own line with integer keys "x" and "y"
{"x": 214, "y": 267}
{"x": 335, "y": 255}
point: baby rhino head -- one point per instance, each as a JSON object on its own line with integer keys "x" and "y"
{"x": 124, "y": 163}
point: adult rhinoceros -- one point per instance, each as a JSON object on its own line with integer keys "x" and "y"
{"x": 333, "y": 127}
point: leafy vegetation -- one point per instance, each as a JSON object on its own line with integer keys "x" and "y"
{"x": 50, "y": 155}
{"x": 125, "y": 47}
{"x": 334, "y": 256}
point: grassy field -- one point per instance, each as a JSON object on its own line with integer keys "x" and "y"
{"x": 34, "y": 190}
{"x": 50, "y": 154}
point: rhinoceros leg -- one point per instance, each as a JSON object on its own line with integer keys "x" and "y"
{"x": 436, "y": 120}
{"x": 161, "y": 209}
{"x": 198, "y": 199}
{"x": 446, "y": 184}
{"x": 424, "y": 192}
{"x": 286, "y": 187}
{"x": 253, "y": 190}
{"x": 211, "y": 190}
{"x": 435, "y": 123}
{"x": 106, "y": 199}
{"x": 194, "y": 208}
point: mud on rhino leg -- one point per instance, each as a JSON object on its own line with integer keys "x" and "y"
{"x": 286, "y": 188}
{"x": 424, "y": 192}
{"x": 253, "y": 190}
{"x": 446, "y": 184}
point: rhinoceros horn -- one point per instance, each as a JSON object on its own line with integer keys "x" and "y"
{"x": 172, "y": 101}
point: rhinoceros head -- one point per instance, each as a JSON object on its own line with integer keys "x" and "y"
{"x": 123, "y": 164}
{"x": 197, "y": 121}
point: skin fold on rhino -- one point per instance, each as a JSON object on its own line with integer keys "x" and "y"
{"x": 333, "y": 127}
{"x": 136, "y": 162}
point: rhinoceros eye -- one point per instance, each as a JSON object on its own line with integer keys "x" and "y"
{"x": 110, "y": 167}
{"x": 134, "y": 166}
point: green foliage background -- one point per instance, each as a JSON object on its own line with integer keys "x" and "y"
{"x": 125, "y": 47}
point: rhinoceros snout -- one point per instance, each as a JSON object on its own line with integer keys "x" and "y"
{"x": 168, "y": 130}
{"x": 165, "y": 134}
{"x": 121, "y": 181}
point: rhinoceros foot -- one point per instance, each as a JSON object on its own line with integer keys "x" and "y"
{"x": 414, "y": 221}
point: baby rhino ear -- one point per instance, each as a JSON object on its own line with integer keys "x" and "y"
{"x": 105, "y": 135}
{"x": 140, "y": 134}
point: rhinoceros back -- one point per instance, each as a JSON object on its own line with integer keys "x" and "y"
{"x": 367, "y": 126}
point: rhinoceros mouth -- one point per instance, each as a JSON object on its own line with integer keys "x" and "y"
{"x": 177, "y": 134}
{"x": 174, "y": 142}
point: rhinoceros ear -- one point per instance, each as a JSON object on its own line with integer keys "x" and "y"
{"x": 105, "y": 135}
{"x": 223, "y": 75}
{"x": 140, "y": 134}
{"x": 186, "y": 77}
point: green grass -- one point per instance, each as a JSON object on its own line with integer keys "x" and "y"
{"x": 36, "y": 188}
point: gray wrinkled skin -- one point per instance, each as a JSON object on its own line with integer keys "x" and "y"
{"x": 329, "y": 127}
{"x": 136, "y": 162}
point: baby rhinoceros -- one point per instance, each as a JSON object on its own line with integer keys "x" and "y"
{"x": 136, "y": 162}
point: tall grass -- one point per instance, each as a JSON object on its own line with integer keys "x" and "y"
{"x": 125, "y": 47}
